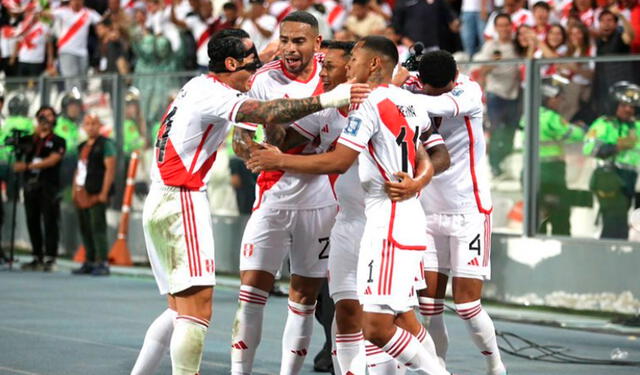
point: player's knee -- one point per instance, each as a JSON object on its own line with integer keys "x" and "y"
{"x": 348, "y": 316}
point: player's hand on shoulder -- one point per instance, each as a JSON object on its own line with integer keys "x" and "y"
{"x": 265, "y": 158}
{"x": 405, "y": 188}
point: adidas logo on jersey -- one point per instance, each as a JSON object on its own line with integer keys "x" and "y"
{"x": 240, "y": 345}
{"x": 473, "y": 262}
{"x": 367, "y": 292}
{"x": 210, "y": 265}
{"x": 325, "y": 128}
{"x": 301, "y": 352}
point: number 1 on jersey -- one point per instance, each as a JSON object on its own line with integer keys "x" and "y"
{"x": 401, "y": 141}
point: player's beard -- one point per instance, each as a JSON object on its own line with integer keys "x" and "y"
{"x": 295, "y": 64}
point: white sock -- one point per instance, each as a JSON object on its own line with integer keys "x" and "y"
{"x": 432, "y": 311}
{"x": 247, "y": 329}
{"x": 156, "y": 343}
{"x": 334, "y": 351}
{"x": 379, "y": 362}
{"x": 187, "y": 344}
{"x": 483, "y": 334}
{"x": 296, "y": 337}
{"x": 427, "y": 342}
{"x": 350, "y": 352}
{"x": 406, "y": 349}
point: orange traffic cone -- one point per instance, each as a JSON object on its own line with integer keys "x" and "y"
{"x": 81, "y": 255}
{"x": 119, "y": 254}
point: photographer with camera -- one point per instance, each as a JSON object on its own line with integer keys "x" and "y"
{"x": 40, "y": 167}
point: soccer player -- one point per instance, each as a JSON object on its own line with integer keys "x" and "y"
{"x": 293, "y": 213}
{"x": 176, "y": 218}
{"x": 386, "y": 127}
{"x": 458, "y": 208}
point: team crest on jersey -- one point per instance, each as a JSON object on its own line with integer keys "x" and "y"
{"x": 353, "y": 126}
{"x": 210, "y": 265}
{"x": 247, "y": 249}
{"x": 457, "y": 91}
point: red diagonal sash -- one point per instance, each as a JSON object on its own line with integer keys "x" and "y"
{"x": 204, "y": 37}
{"x": 73, "y": 30}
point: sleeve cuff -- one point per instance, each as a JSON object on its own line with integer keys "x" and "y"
{"x": 433, "y": 142}
{"x": 236, "y": 108}
{"x": 351, "y": 144}
{"x": 247, "y": 125}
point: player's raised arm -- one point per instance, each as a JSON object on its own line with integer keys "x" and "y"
{"x": 281, "y": 111}
{"x": 271, "y": 158}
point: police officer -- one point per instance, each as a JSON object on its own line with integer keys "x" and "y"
{"x": 133, "y": 138}
{"x": 555, "y": 132}
{"x": 68, "y": 128}
{"x": 41, "y": 173}
{"x": 613, "y": 140}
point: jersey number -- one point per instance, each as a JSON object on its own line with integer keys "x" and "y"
{"x": 323, "y": 253}
{"x": 402, "y": 142}
{"x": 161, "y": 142}
{"x": 474, "y": 245}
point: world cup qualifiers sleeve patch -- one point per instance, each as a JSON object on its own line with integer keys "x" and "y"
{"x": 353, "y": 126}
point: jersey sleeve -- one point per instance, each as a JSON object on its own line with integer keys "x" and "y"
{"x": 463, "y": 100}
{"x": 109, "y": 148}
{"x": 225, "y": 105}
{"x": 434, "y": 140}
{"x": 308, "y": 127}
{"x": 94, "y": 17}
{"x": 360, "y": 128}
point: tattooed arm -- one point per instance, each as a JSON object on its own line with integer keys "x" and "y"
{"x": 277, "y": 111}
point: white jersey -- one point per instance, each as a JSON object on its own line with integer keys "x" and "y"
{"x": 192, "y": 130}
{"x": 202, "y": 32}
{"x": 387, "y": 126}
{"x": 457, "y": 116}
{"x": 74, "y": 29}
{"x": 287, "y": 190}
{"x": 350, "y": 194}
{"x": 32, "y": 47}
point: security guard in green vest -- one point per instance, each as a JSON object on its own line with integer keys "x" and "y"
{"x": 133, "y": 138}
{"x": 613, "y": 140}
{"x": 18, "y": 108}
{"x": 68, "y": 128}
{"x": 555, "y": 132}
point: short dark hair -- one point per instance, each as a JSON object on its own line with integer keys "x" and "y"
{"x": 542, "y": 4}
{"x": 238, "y": 33}
{"x": 605, "y": 12}
{"x": 364, "y": 3}
{"x": 345, "y": 47}
{"x": 222, "y": 46}
{"x": 229, "y": 6}
{"x": 47, "y": 108}
{"x": 501, "y": 15}
{"x": 302, "y": 17}
{"x": 437, "y": 68}
{"x": 381, "y": 45}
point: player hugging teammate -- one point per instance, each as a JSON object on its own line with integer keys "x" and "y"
{"x": 404, "y": 214}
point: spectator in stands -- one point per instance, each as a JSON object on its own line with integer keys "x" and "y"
{"x": 111, "y": 51}
{"x": 10, "y": 20}
{"x": 518, "y": 14}
{"x": 202, "y": 26}
{"x": 611, "y": 40}
{"x": 577, "y": 93}
{"x": 230, "y": 17}
{"x": 362, "y": 21}
{"x": 73, "y": 23}
{"x": 308, "y": 6}
{"x": 584, "y": 10}
{"x": 634, "y": 19}
{"x": 34, "y": 50}
{"x": 119, "y": 18}
{"x": 473, "y": 16}
{"x": 41, "y": 173}
{"x": 94, "y": 176}
{"x": 541, "y": 12}
{"x": 502, "y": 85}
{"x": 525, "y": 42}
{"x": 422, "y": 21}
{"x": 260, "y": 25}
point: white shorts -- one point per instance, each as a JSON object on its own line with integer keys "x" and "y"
{"x": 304, "y": 234}
{"x": 343, "y": 258}
{"x": 179, "y": 238}
{"x": 391, "y": 252}
{"x": 459, "y": 245}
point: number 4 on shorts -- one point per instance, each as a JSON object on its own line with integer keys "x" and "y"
{"x": 474, "y": 245}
